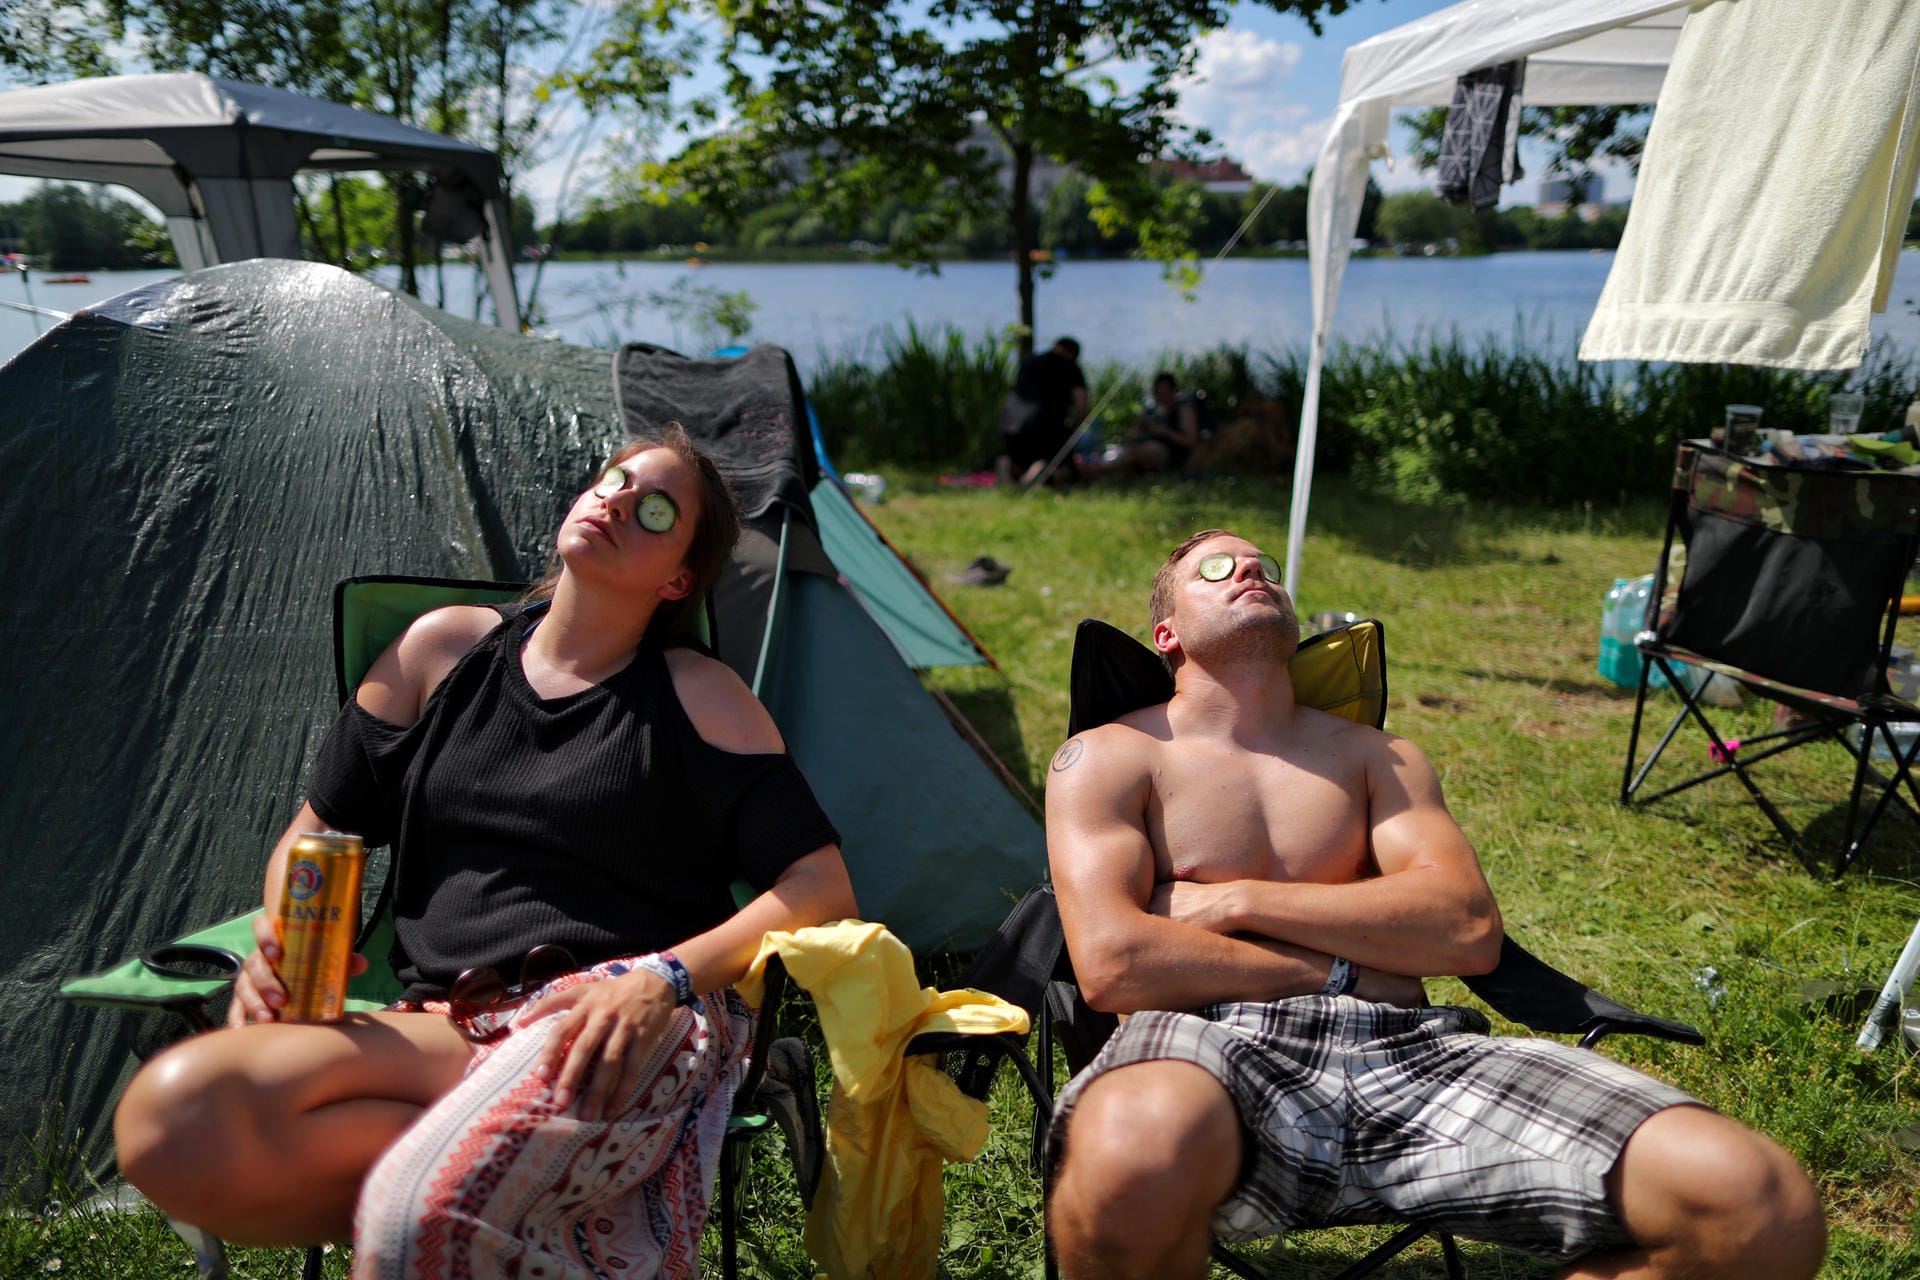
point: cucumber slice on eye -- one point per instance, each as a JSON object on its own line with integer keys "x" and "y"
{"x": 657, "y": 513}
{"x": 611, "y": 481}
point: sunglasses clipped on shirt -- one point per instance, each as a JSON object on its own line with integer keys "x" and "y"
{"x": 1218, "y": 567}
{"x": 657, "y": 512}
{"x": 483, "y": 990}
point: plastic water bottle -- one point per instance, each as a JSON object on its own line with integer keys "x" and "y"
{"x": 1617, "y": 662}
{"x": 1623, "y": 618}
{"x": 1904, "y": 732}
{"x": 1633, "y": 607}
{"x": 873, "y": 488}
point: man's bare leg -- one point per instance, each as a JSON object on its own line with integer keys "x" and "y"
{"x": 262, "y": 1135}
{"x": 1151, "y": 1150}
{"x": 1711, "y": 1198}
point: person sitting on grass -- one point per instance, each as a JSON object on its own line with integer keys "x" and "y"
{"x": 1047, "y": 401}
{"x": 561, "y": 783}
{"x": 1164, "y": 436}
{"x": 1261, "y": 886}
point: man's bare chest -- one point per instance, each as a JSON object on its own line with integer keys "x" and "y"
{"x": 1218, "y": 813}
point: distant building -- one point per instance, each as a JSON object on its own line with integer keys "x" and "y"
{"x": 1215, "y": 175}
{"x": 1045, "y": 174}
{"x": 1555, "y": 192}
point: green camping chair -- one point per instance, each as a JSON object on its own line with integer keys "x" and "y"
{"x": 1342, "y": 671}
{"x": 188, "y": 975}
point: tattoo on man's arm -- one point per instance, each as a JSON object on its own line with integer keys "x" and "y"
{"x": 1069, "y": 755}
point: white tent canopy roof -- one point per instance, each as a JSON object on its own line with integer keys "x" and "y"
{"x": 217, "y": 158}
{"x": 1578, "y": 52}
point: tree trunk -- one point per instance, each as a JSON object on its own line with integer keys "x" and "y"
{"x": 501, "y": 66}
{"x": 1020, "y": 209}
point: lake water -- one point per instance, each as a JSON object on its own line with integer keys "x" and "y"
{"x": 1121, "y": 311}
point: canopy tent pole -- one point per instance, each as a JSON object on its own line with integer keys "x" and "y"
{"x": 1338, "y": 189}
{"x": 1303, "y": 466}
{"x": 496, "y": 256}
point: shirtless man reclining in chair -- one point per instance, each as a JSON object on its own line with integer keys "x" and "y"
{"x": 1290, "y": 877}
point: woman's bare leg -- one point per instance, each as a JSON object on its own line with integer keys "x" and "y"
{"x": 262, "y": 1134}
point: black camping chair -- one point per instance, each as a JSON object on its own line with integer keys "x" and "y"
{"x": 1027, "y": 962}
{"x": 1791, "y": 588}
{"x": 189, "y": 976}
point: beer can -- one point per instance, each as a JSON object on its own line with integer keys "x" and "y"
{"x": 318, "y": 917}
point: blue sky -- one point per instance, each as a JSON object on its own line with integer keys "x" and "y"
{"x": 1269, "y": 85}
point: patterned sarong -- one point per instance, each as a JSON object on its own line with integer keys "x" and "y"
{"x": 1366, "y": 1113}
{"x": 492, "y": 1181}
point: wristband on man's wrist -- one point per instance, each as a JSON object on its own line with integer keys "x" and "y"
{"x": 1343, "y": 975}
{"x": 667, "y": 966}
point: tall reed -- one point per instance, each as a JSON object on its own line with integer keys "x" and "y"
{"x": 1437, "y": 418}
{"x": 919, "y": 398}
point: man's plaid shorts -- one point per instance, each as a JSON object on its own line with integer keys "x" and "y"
{"x": 1358, "y": 1112}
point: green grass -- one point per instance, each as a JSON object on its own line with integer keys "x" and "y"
{"x": 1492, "y": 617}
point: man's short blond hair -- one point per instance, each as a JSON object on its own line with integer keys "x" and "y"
{"x": 1164, "y": 580}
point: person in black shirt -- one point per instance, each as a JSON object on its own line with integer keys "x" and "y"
{"x": 1048, "y": 400}
{"x": 560, "y": 775}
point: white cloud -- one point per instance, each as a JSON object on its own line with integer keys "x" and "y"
{"x": 1234, "y": 63}
{"x": 1238, "y": 92}
{"x": 1284, "y": 150}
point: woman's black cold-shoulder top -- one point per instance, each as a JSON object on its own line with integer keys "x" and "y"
{"x": 600, "y": 820}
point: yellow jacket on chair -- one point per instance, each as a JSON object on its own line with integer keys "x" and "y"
{"x": 892, "y": 1119}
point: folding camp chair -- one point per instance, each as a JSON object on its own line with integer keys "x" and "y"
{"x": 188, "y": 976}
{"x": 1791, "y": 588}
{"x": 1342, "y": 671}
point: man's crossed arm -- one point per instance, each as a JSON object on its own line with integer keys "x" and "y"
{"x": 1141, "y": 945}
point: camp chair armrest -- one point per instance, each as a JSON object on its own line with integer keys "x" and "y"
{"x": 136, "y": 986}
{"x": 1010, "y": 1045}
{"x": 1527, "y": 990}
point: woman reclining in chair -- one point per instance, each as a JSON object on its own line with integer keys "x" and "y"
{"x": 555, "y": 777}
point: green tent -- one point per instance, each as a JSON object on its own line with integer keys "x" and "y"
{"x": 923, "y": 630}
{"x": 190, "y": 467}
{"x": 894, "y": 595}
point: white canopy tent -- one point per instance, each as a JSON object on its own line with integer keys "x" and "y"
{"x": 1578, "y": 52}
{"x": 217, "y": 158}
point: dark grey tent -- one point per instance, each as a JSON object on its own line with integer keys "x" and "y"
{"x": 189, "y": 468}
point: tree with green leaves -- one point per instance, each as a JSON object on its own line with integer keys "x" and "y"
{"x": 948, "y": 107}
{"x": 70, "y": 228}
{"x": 1417, "y": 218}
{"x": 49, "y": 40}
